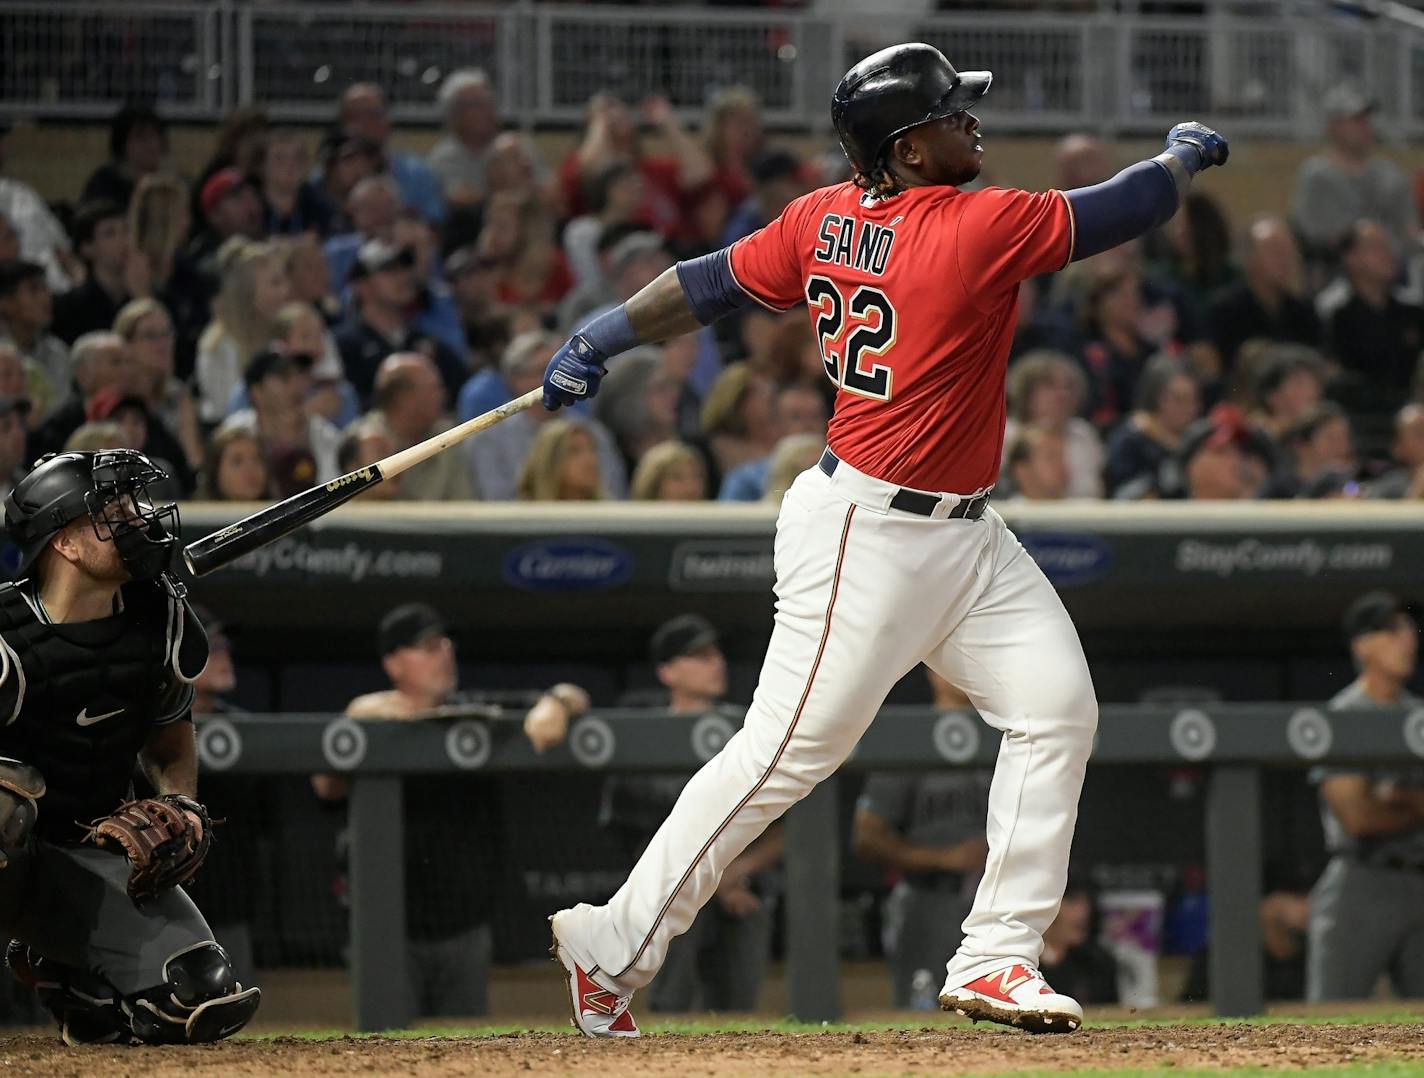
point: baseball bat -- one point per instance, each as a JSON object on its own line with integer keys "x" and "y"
{"x": 262, "y": 527}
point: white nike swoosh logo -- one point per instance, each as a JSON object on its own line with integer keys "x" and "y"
{"x": 86, "y": 719}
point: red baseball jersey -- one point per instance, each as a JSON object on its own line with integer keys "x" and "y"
{"x": 913, "y": 300}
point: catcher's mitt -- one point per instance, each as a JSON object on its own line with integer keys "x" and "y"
{"x": 163, "y": 845}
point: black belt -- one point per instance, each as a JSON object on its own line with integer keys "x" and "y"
{"x": 917, "y": 501}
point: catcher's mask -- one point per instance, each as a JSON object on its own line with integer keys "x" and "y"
{"x": 110, "y": 486}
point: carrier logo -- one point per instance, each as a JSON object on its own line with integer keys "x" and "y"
{"x": 568, "y": 565}
{"x": 1069, "y": 560}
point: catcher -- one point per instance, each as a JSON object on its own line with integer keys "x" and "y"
{"x": 98, "y": 651}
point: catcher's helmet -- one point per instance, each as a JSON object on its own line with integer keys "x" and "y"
{"x": 66, "y": 486}
{"x": 896, "y": 89}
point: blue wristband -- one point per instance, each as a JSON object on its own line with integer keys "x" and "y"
{"x": 611, "y": 332}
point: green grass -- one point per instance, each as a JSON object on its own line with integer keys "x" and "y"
{"x": 1358, "y": 1070}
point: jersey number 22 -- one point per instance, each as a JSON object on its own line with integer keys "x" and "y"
{"x": 871, "y": 323}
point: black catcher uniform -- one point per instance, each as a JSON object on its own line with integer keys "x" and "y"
{"x": 78, "y": 701}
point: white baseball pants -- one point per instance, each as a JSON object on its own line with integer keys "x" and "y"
{"x": 864, "y": 594}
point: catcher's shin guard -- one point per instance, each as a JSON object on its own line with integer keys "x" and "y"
{"x": 86, "y": 1006}
{"x": 199, "y": 1000}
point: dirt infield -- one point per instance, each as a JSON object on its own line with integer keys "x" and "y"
{"x": 955, "y": 1050}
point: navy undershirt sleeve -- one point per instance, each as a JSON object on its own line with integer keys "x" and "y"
{"x": 1137, "y": 199}
{"x": 711, "y": 290}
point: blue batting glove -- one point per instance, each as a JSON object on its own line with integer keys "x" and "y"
{"x": 1210, "y": 144}
{"x": 573, "y": 374}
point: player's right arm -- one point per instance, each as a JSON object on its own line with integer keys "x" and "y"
{"x": 876, "y": 841}
{"x": 692, "y": 294}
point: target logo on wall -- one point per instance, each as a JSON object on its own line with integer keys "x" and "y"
{"x": 592, "y": 741}
{"x": 219, "y": 744}
{"x": 1193, "y": 735}
{"x": 343, "y": 743}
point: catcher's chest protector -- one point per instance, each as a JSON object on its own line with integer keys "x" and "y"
{"x": 78, "y": 701}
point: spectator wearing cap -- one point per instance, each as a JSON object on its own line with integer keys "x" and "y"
{"x": 410, "y": 404}
{"x": 1221, "y": 459}
{"x": 1350, "y": 181}
{"x": 101, "y": 361}
{"x": 1406, "y": 478}
{"x": 343, "y": 162}
{"x": 600, "y": 291}
{"x": 1168, "y": 402}
{"x": 1365, "y": 908}
{"x": 138, "y": 141}
{"x": 234, "y": 469}
{"x": 474, "y": 285}
{"x": 1267, "y": 302}
{"x": 469, "y": 110}
{"x": 498, "y": 456}
{"x": 300, "y": 449}
{"x": 776, "y": 179}
{"x": 1048, "y": 389}
{"x": 611, "y": 135}
{"x": 14, "y": 435}
{"x": 633, "y": 262}
{"x": 291, "y": 204}
{"x": 452, "y": 823}
{"x": 230, "y": 207}
{"x": 374, "y": 205}
{"x": 614, "y": 194}
{"x": 254, "y": 289}
{"x": 114, "y": 272}
{"x": 435, "y": 313}
{"x": 799, "y": 411}
{"x": 720, "y": 963}
{"x": 26, "y": 308}
{"x": 41, "y": 237}
{"x": 1322, "y": 452}
{"x": 1375, "y": 336}
{"x": 362, "y": 112}
{"x": 138, "y": 430}
{"x": 384, "y": 292}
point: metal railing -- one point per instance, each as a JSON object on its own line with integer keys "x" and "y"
{"x": 1261, "y": 66}
{"x": 1235, "y": 742}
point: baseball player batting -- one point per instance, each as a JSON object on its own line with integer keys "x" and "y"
{"x": 887, "y": 553}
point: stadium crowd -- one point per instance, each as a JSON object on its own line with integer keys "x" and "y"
{"x": 293, "y": 311}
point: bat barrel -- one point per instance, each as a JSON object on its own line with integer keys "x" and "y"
{"x": 228, "y": 544}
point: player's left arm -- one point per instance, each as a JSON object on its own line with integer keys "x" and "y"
{"x": 169, "y": 759}
{"x": 1144, "y": 195}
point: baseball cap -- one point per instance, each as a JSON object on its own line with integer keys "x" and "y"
{"x": 408, "y": 625}
{"x": 221, "y": 184}
{"x": 1371, "y": 612}
{"x": 109, "y": 400}
{"x": 1225, "y": 425}
{"x": 271, "y": 361}
{"x": 683, "y": 635}
{"x": 1346, "y": 100}
{"x": 633, "y": 246}
{"x": 376, "y": 255}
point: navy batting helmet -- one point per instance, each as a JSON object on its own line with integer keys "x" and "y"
{"x": 896, "y": 89}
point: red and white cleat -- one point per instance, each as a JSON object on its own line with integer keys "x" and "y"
{"x": 1016, "y": 995}
{"x": 596, "y": 1011}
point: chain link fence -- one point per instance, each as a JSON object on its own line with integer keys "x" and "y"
{"x": 1262, "y": 66}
